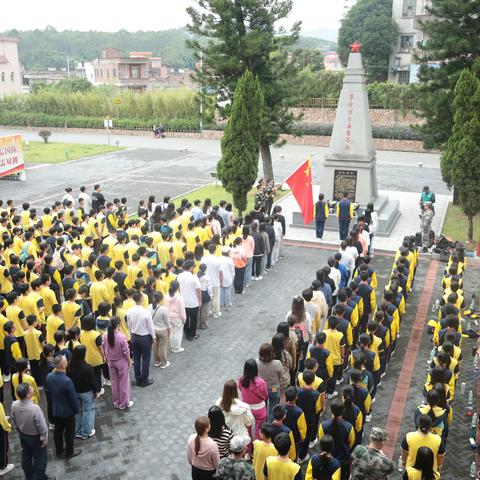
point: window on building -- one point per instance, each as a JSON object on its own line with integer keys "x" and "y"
{"x": 409, "y": 7}
{"x": 114, "y": 72}
{"x": 3, "y": 76}
{"x": 12, "y": 76}
{"x": 134, "y": 71}
{"x": 406, "y": 42}
{"x": 404, "y": 76}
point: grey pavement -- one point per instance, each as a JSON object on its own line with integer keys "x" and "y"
{"x": 149, "y": 440}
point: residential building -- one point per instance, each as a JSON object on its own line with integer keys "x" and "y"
{"x": 138, "y": 71}
{"x": 332, "y": 62}
{"x": 408, "y": 14}
{"x": 10, "y": 75}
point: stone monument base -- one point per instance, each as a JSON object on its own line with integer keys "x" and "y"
{"x": 387, "y": 210}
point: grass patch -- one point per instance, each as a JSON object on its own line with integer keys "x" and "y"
{"x": 39, "y": 152}
{"x": 216, "y": 193}
{"x": 456, "y": 224}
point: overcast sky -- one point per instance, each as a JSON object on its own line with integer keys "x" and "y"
{"x": 113, "y": 15}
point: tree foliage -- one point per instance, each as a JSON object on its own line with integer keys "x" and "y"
{"x": 461, "y": 161}
{"x": 370, "y": 23}
{"x": 244, "y": 34}
{"x": 238, "y": 167}
{"x": 308, "y": 58}
{"x": 452, "y": 44}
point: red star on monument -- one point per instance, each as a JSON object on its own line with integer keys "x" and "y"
{"x": 355, "y": 47}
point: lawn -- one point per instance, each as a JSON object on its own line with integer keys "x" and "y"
{"x": 456, "y": 224}
{"x": 39, "y": 152}
{"x": 216, "y": 193}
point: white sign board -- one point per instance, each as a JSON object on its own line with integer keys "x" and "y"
{"x": 11, "y": 155}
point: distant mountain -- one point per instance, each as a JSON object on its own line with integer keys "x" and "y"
{"x": 322, "y": 32}
{"x": 41, "y": 49}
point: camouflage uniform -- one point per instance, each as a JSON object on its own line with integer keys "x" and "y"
{"x": 370, "y": 464}
{"x": 427, "y": 217}
{"x": 234, "y": 469}
{"x": 260, "y": 197}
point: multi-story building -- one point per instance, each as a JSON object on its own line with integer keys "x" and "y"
{"x": 408, "y": 14}
{"x": 138, "y": 71}
{"x": 10, "y": 75}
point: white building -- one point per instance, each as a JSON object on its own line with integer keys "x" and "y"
{"x": 10, "y": 76}
{"x": 408, "y": 14}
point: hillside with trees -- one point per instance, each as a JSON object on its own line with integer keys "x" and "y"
{"x": 39, "y": 49}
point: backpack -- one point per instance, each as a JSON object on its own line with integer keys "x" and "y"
{"x": 24, "y": 252}
{"x": 58, "y": 262}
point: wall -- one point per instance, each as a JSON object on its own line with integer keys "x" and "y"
{"x": 8, "y": 48}
{"x": 378, "y": 117}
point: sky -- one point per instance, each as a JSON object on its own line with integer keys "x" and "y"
{"x": 113, "y": 15}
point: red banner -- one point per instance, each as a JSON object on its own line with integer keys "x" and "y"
{"x": 300, "y": 183}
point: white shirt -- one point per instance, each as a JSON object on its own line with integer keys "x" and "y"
{"x": 228, "y": 270}
{"x": 87, "y": 200}
{"x": 189, "y": 285}
{"x": 347, "y": 259}
{"x": 366, "y": 236}
{"x": 140, "y": 321}
{"x": 354, "y": 254}
{"x": 373, "y": 223}
{"x": 277, "y": 226}
{"x": 206, "y": 284}
{"x": 68, "y": 197}
{"x": 214, "y": 267}
{"x": 336, "y": 276}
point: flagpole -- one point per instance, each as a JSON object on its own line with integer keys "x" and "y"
{"x": 288, "y": 176}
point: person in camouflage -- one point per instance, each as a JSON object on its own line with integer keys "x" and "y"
{"x": 235, "y": 467}
{"x": 426, "y": 224}
{"x": 370, "y": 463}
{"x": 260, "y": 195}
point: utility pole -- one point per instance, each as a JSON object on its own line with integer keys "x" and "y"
{"x": 201, "y": 93}
{"x": 68, "y": 67}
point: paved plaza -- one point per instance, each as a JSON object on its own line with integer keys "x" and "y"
{"x": 148, "y": 441}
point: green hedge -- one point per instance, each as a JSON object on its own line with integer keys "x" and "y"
{"x": 9, "y": 118}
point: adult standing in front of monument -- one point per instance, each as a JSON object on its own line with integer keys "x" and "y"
{"x": 344, "y": 214}
{"x": 321, "y": 215}
{"x": 427, "y": 197}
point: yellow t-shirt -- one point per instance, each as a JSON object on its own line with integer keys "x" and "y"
{"x": 70, "y": 312}
{"x": 280, "y": 469}
{"x": 261, "y": 451}
{"x": 33, "y": 345}
{"x": 415, "y": 440}
{"x": 89, "y": 339}
{"x": 3, "y": 320}
{"x": 98, "y": 293}
{"x": 133, "y": 272}
{"x": 53, "y": 323}
{"x": 49, "y": 299}
{"x": 414, "y": 474}
{"x": 333, "y": 343}
{"x": 15, "y": 314}
{"x": 26, "y": 379}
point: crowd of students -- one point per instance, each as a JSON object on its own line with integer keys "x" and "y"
{"x": 334, "y": 334}
{"x": 423, "y": 450}
{"x": 86, "y": 290}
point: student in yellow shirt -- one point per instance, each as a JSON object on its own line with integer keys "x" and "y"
{"x": 168, "y": 277}
{"x": 92, "y": 340}
{"x": 133, "y": 271}
{"x": 102, "y": 317}
{"x": 144, "y": 262}
{"x": 71, "y": 312}
{"x": 111, "y": 284}
{"x": 98, "y": 291}
{"x": 47, "y": 294}
{"x": 34, "y": 341}
{"x": 54, "y": 323}
{"x": 21, "y": 366}
{"x": 12, "y": 348}
{"x": 38, "y": 300}
{"x": 178, "y": 246}
{"x": 282, "y": 467}
{"x": 335, "y": 344}
{"x": 5, "y": 428}
{"x": 262, "y": 449}
{"x": 119, "y": 311}
{"x": 16, "y": 315}
{"x": 165, "y": 250}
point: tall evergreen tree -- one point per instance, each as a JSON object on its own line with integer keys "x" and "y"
{"x": 238, "y": 167}
{"x": 370, "y": 23}
{"x": 463, "y": 152}
{"x": 452, "y": 44}
{"x": 244, "y": 34}
{"x": 464, "y": 111}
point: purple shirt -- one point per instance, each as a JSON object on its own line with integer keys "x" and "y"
{"x": 119, "y": 351}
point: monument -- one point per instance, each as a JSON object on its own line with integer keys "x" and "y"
{"x": 350, "y": 164}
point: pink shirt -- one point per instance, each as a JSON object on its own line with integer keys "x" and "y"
{"x": 207, "y": 458}
{"x": 176, "y": 308}
{"x": 248, "y": 245}
{"x": 256, "y": 392}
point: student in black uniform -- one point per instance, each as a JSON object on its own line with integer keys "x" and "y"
{"x": 321, "y": 215}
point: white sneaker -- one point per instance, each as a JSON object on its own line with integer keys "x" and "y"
{"x": 101, "y": 392}
{"x": 92, "y": 433}
{"x": 261, "y": 278}
{"x": 51, "y": 426}
{"x": 107, "y": 383}
{"x": 339, "y": 382}
{"x": 6, "y": 379}
{"x": 312, "y": 444}
{"x": 178, "y": 350}
{"x": 156, "y": 364}
{"x": 165, "y": 366}
{"x": 332, "y": 395}
{"x": 7, "y": 469}
{"x": 368, "y": 418}
{"x": 130, "y": 404}
{"x": 305, "y": 459}
{"x": 374, "y": 400}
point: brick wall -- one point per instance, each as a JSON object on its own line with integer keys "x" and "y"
{"x": 382, "y": 117}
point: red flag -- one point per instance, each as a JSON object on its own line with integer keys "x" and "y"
{"x": 300, "y": 183}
